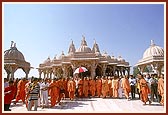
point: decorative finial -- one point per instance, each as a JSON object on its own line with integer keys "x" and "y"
{"x": 12, "y": 42}
{"x": 71, "y": 41}
{"x": 62, "y": 52}
{"x": 94, "y": 41}
{"x": 83, "y": 37}
{"x": 55, "y": 56}
{"x": 152, "y": 42}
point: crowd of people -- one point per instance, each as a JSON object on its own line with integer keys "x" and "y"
{"x": 37, "y": 91}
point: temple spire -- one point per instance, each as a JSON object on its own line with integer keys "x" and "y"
{"x": 71, "y": 47}
{"x": 83, "y": 43}
{"x": 95, "y": 47}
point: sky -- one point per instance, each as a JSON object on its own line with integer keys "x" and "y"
{"x": 45, "y": 30}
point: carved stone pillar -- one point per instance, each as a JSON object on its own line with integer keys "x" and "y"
{"x": 65, "y": 71}
{"x": 114, "y": 70}
{"x": 12, "y": 70}
{"x": 104, "y": 69}
{"x": 73, "y": 68}
{"x": 93, "y": 69}
{"x": 26, "y": 70}
{"x": 44, "y": 72}
{"x": 50, "y": 74}
{"x": 40, "y": 72}
{"x": 8, "y": 75}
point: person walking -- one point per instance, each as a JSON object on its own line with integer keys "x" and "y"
{"x": 144, "y": 90}
{"x": 44, "y": 93}
{"x": 115, "y": 86}
{"x": 105, "y": 87}
{"x": 120, "y": 89}
{"x": 154, "y": 87}
{"x": 161, "y": 88}
{"x": 53, "y": 91}
{"x": 33, "y": 92}
{"x": 71, "y": 88}
{"x": 92, "y": 83}
{"x": 126, "y": 87}
{"x": 8, "y": 95}
{"x": 132, "y": 82}
{"x": 21, "y": 91}
{"x": 98, "y": 86}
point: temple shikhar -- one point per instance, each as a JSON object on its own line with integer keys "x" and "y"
{"x": 97, "y": 63}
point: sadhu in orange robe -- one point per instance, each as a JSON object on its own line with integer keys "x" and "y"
{"x": 126, "y": 87}
{"x": 71, "y": 88}
{"x": 54, "y": 92}
{"x": 80, "y": 88}
{"x": 115, "y": 87}
{"x": 161, "y": 89}
{"x": 98, "y": 87}
{"x": 105, "y": 87}
{"x": 110, "y": 89}
{"x": 92, "y": 87}
{"x": 85, "y": 87}
{"x": 21, "y": 90}
{"x": 144, "y": 90}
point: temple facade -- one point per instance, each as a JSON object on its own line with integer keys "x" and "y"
{"x": 97, "y": 64}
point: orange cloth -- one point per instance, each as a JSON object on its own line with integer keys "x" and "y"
{"x": 65, "y": 83}
{"x": 71, "y": 89}
{"x": 161, "y": 89}
{"x": 144, "y": 90}
{"x": 98, "y": 87}
{"x": 105, "y": 87}
{"x": 54, "y": 93}
{"x": 115, "y": 87}
{"x": 110, "y": 89}
{"x": 61, "y": 87}
{"x": 21, "y": 91}
{"x": 80, "y": 88}
{"x": 26, "y": 91}
{"x": 85, "y": 87}
{"x": 92, "y": 87}
{"x": 126, "y": 87}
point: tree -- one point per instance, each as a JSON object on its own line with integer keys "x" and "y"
{"x": 135, "y": 70}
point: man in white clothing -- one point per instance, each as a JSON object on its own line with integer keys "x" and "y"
{"x": 44, "y": 93}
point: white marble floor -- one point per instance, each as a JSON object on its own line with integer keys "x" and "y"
{"x": 95, "y": 105}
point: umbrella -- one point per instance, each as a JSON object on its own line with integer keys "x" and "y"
{"x": 80, "y": 70}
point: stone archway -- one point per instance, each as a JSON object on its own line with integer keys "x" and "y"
{"x": 98, "y": 71}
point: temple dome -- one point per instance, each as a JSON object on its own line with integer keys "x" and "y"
{"x": 106, "y": 55}
{"x": 113, "y": 58}
{"x": 84, "y": 47}
{"x": 48, "y": 60}
{"x": 120, "y": 59}
{"x": 62, "y": 55}
{"x": 153, "y": 50}
{"x": 13, "y": 53}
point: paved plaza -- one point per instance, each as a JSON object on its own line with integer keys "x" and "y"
{"x": 96, "y": 105}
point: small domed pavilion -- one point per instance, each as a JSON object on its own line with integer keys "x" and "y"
{"x": 154, "y": 57}
{"x": 13, "y": 60}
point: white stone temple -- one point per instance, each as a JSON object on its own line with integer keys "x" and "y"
{"x": 98, "y": 64}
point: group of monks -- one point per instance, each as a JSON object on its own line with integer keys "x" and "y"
{"x": 88, "y": 87}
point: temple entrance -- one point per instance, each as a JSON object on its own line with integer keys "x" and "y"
{"x": 98, "y": 71}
